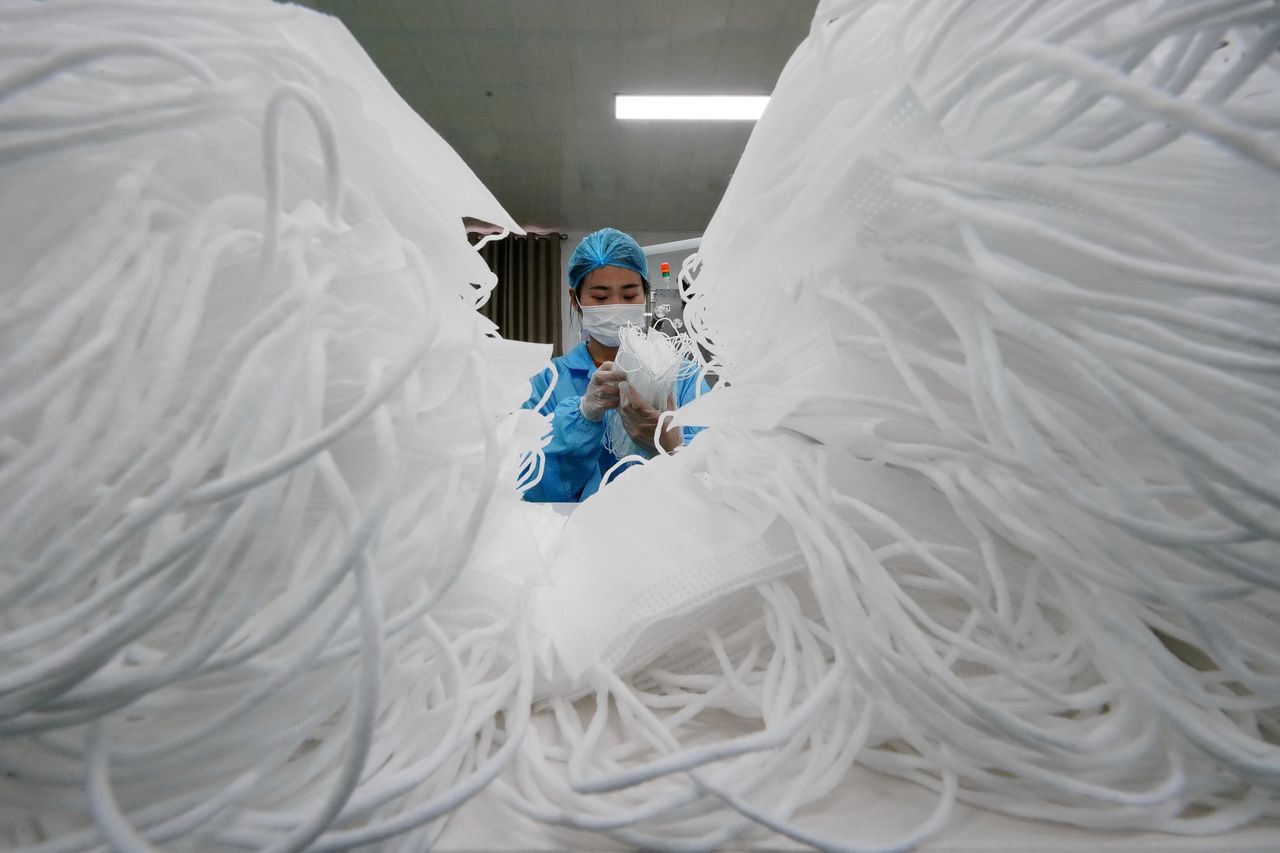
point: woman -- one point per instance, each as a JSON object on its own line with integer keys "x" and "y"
{"x": 608, "y": 283}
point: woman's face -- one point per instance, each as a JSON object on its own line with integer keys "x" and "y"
{"x": 611, "y": 286}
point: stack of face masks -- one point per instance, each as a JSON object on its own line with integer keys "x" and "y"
{"x": 993, "y": 296}
{"x": 239, "y": 466}
{"x": 653, "y": 362}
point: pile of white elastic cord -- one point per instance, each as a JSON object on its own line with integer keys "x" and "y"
{"x": 1032, "y": 247}
{"x": 237, "y": 468}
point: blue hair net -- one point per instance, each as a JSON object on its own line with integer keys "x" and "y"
{"x": 607, "y": 247}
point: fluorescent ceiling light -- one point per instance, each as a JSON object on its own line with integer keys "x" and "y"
{"x": 690, "y": 107}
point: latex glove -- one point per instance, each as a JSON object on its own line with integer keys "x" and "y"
{"x": 640, "y": 419}
{"x": 602, "y": 391}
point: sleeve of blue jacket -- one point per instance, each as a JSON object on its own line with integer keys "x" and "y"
{"x": 573, "y": 456}
{"x": 689, "y": 388}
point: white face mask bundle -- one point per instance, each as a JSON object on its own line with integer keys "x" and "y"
{"x": 605, "y": 322}
{"x": 987, "y": 499}
{"x": 1011, "y": 360}
{"x": 653, "y": 363}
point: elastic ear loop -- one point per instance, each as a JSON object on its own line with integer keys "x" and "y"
{"x": 978, "y": 213}
{"x": 932, "y": 825}
{"x": 740, "y": 804}
{"x": 692, "y": 298}
{"x": 617, "y": 819}
{"x": 1076, "y": 106}
{"x": 489, "y": 238}
{"x": 1008, "y": 24}
{"x": 285, "y": 460}
{"x": 992, "y": 65}
{"x": 645, "y": 371}
{"x": 1044, "y": 418}
{"x": 1084, "y": 101}
{"x": 622, "y": 463}
{"x": 178, "y": 658}
{"x": 988, "y": 659}
{"x": 366, "y": 704}
{"x": 459, "y": 793}
{"x": 205, "y": 808}
{"x": 811, "y": 664}
{"x": 533, "y": 465}
{"x": 99, "y": 238}
{"x": 1021, "y": 179}
{"x": 360, "y": 537}
{"x": 60, "y": 380}
{"x": 368, "y": 798}
{"x": 70, "y": 59}
{"x": 913, "y": 381}
{"x": 1121, "y": 394}
{"x": 145, "y": 606}
{"x": 78, "y": 660}
{"x": 279, "y": 678}
{"x": 656, "y": 807}
{"x": 1160, "y": 348}
{"x": 214, "y": 107}
{"x": 551, "y": 387}
{"x": 111, "y": 822}
{"x": 1214, "y": 124}
{"x": 371, "y": 654}
{"x": 1033, "y": 771}
{"x": 663, "y": 418}
{"x": 126, "y": 46}
{"x": 183, "y": 661}
{"x": 1118, "y": 393}
{"x": 147, "y": 510}
{"x": 45, "y": 335}
{"x": 1147, "y": 138}
{"x": 694, "y": 756}
{"x": 272, "y": 157}
{"x": 483, "y": 775}
{"x": 307, "y": 659}
{"x": 1183, "y": 62}
{"x": 39, "y": 632}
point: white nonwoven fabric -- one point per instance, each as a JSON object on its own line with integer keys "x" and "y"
{"x": 653, "y": 362}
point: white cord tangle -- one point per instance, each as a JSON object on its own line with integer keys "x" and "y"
{"x": 986, "y": 497}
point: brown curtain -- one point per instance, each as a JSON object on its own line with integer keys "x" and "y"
{"x": 526, "y": 302}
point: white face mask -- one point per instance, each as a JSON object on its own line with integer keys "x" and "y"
{"x": 602, "y": 322}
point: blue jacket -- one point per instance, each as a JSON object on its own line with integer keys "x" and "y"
{"x": 576, "y": 459}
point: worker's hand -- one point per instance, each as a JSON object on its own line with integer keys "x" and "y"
{"x": 602, "y": 392}
{"x": 640, "y": 419}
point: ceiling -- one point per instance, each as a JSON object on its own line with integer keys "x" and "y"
{"x": 523, "y": 90}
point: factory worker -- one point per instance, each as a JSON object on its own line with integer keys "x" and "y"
{"x": 608, "y": 283}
